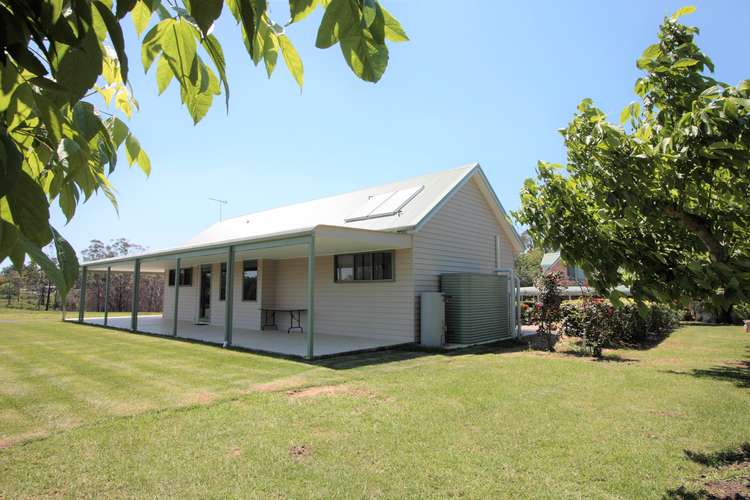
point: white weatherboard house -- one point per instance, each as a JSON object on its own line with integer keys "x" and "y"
{"x": 337, "y": 274}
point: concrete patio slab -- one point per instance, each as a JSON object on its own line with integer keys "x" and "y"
{"x": 272, "y": 341}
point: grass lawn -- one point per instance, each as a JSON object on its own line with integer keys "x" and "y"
{"x": 90, "y": 412}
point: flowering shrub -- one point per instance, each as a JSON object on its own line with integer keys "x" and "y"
{"x": 527, "y": 313}
{"x": 572, "y": 319}
{"x": 597, "y": 325}
{"x": 600, "y": 324}
{"x": 547, "y": 312}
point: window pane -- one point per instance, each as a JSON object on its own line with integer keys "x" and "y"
{"x": 387, "y": 265}
{"x": 358, "y": 266}
{"x": 250, "y": 280}
{"x": 377, "y": 266}
{"x": 223, "y": 282}
{"x": 344, "y": 267}
{"x": 367, "y": 266}
{"x": 186, "y": 276}
{"x": 171, "y": 277}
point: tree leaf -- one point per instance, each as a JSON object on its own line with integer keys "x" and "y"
{"x": 292, "y": 60}
{"x": 118, "y": 130}
{"x": 215, "y": 52}
{"x": 132, "y": 149}
{"x": 68, "y": 200}
{"x": 72, "y": 156}
{"x": 300, "y": 9}
{"x": 26, "y": 59}
{"x": 51, "y": 117}
{"x": 67, "y": 263}
{"x": 141, "y": 16}
{"x": 270, "y": 46}
{"x": 79, "y": 67}
{"x": 393, "y": 30}
{"x": 10, "y": 165}
{"x": 205, "y": 12}
{"x": 163, "y": 74}
{"x": 29, "y": 208}
{"x": 245, "y": 14}
{"x": 685, "y": 63}
{"x": 649, "y": 55}
{"x": 9, "y": 81}
{"x": 135, "y": 154}
{"x": 151, "y": 46}
{"x": 144, "y": 162}
{"x": 8, "y": 239}
{"x": 369, "y": 10}
{"x": 115, "y": 35}
{"x": 179, "y": 47}
{"x": 199, "y": 93}
{"x": 366, "y": 58}
{"x": 683, "y": 12}
{"x": 86, "y": 121}
{"x": 338, "y": 20}
{"x": 125, "y": 6}
{"x": 48, "y": 266}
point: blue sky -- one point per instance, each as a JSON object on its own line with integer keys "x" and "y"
{"x": 486, "y": 81}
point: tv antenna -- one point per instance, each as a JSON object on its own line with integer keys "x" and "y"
{"x": 221, "y": 203}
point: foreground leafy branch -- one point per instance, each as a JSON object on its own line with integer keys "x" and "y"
{"x": 56, "y": 146}
{"x": 660, "y": 201}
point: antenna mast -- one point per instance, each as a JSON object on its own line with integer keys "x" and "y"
{"x": 221, "y": 203}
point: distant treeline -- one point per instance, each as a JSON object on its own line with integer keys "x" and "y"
{"x": 31, "y": 289}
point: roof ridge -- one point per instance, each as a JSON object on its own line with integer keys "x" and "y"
{"x": 468, "y": 166}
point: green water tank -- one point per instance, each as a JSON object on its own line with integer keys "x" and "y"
{"x": 477, "y": 307}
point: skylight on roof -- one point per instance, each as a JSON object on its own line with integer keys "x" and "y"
{"x": 385, "y": 204}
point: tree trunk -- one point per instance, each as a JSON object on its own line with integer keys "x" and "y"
{"x": 701, "y": 228}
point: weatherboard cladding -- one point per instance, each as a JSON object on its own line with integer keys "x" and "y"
{"x": 460, "y": 237}
{"x": 374, "y": 309}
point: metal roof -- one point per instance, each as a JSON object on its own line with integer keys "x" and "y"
{"x": 304, "y": 217}
{"x": 335, "y": 210}
{"x": 549, "y": 259}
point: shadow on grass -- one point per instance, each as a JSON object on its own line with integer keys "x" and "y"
{"x": 605, "y": 358}
{"x": 682, "y": 493}
{"x": 721, "y": 458}
{"x": 579, "y": 351}
{"x": 405, "y": 353}
{"x": 652, "y": 340}
{"x": 737, "y": 372}
{"x": 724, "y": 489}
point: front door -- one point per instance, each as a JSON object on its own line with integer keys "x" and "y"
{"x": 204, "y": 310}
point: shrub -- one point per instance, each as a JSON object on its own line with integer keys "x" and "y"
{"x": 663, "y": 318}
{"x": 598, "y": 325}
{"x": 741, "y": 312}
{"x": 547, "y": 312}
{"x": 527, "y": 313}
{"x": 630, "y": 324}
{"x": 572, "y": 319}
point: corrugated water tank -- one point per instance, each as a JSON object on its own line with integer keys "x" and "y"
{"x": 477, "y": 307}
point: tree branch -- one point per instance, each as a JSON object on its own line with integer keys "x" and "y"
{"x": 701, "y": 228}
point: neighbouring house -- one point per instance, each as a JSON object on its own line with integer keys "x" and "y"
{"x": 337, "y": 274}
{"x": 571, "y": 275}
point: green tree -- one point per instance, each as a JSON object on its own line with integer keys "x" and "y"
{"x": 528, "y": 266}
{"x": 57, "y": 147}
{"x": 659, "y": 202}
